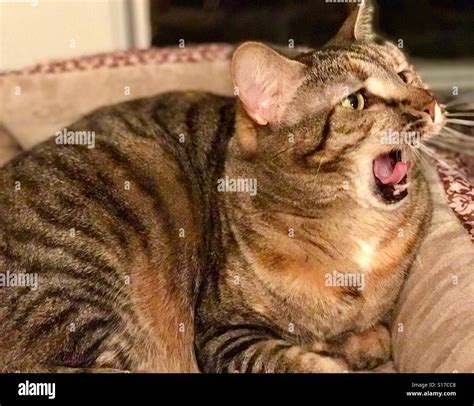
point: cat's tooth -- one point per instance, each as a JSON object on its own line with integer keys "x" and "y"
{"x": 400, "y": 188}
{"x": 438, "y": 114}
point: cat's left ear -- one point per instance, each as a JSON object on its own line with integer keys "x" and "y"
{"x": 266, "y": 81}
{"x": 359, "y": 26}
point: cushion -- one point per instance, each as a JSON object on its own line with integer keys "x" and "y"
{"x": 38, "y": 101}
{"x": 434, "y": 323}
{"x": 9, "y": 147}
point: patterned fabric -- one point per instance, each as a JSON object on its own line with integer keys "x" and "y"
{"x": 152, "y": 56}
{"x": 457, "y": 177}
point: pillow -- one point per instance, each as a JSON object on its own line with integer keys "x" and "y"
{"x": 434, "y": 324}
{"x": 9, "y": 148}
{"x": 38, "y": 101}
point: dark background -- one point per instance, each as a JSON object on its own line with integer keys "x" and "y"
{"x": 429, "y": 28}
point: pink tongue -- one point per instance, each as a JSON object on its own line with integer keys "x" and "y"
{"x": 386, "y": 173}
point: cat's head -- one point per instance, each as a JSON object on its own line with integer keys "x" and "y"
{"x": 349, "y": 110}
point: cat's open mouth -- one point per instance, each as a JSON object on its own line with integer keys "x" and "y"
{"x": 391, "y": 173}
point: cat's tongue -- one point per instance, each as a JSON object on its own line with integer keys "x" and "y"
{"x": 387, "y": 172}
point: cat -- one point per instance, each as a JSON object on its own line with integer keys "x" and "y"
{"x": 152, "y": 254}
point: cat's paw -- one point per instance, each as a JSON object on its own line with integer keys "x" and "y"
{"x": 316, "y": 363}
{"x": 368, "y": 349}
{"x": 327, "y": 364}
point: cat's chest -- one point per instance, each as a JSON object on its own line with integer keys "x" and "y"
{"x": 327, "y": 293}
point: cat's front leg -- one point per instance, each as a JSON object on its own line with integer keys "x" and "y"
{"x": 244, "y": 350}
{"x": 364, "y": 350}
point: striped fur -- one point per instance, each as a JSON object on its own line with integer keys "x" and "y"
{"x": 144, "y": 266}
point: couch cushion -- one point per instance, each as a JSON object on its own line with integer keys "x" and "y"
{"x": 38, "y": 101}
{"x": 434, "y": 323}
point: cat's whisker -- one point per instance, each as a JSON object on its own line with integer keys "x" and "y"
{"x": 464, "y": 99}
{"x": 460, "y": 122}
{"x": 428, "y": 166}
{"x": 435, "y": 157}
{"x": 457, "y": 133}
{"x": 460, "y": 149}
{"x": 425, "y": 165}
{"x": 457, "y": 114}
{"x": 449, "y": 139}
{"x": 461, "y": 108}
{"x": 455, "y": 140}
{"x": 431, "y": 153}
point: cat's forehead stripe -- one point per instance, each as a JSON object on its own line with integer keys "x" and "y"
{"x": 369, "y": 65}
{"x": 363, "y": 61}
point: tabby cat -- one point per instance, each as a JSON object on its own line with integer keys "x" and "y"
{"x": 153, "y": 254}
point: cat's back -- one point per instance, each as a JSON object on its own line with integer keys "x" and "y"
{"x": 109, "y": 216}
{"x": 149, "y": 150}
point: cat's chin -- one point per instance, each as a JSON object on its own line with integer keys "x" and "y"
{"x": 390, "y": 173}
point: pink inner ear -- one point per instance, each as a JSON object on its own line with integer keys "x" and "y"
{"x": 266, "y": 81}
{"x": 257, "y": 105}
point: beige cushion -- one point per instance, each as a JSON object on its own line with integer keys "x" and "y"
{"x": 9, "y": 147}
{"x": 51, "y": 96}
{"x": 434, "y": 324}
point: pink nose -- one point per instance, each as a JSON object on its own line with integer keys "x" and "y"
{"x": 429, "y": 108}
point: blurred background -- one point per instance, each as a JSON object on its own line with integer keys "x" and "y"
{"x": 430, "y": 28}
{"x": 437, "y": 33}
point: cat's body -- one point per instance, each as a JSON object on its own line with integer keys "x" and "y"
{"x": 141, "y": 227}
{"x": 144, "y": 265}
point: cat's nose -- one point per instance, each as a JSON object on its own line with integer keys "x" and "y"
{"x": 430, "y": 108}
{"x": 424, "y": 101}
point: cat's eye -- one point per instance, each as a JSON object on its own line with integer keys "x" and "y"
{"x": 403, "y": 76}
{"x": 354, "y": 101}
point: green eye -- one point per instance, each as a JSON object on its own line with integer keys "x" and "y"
{"x": 355, "y": 101}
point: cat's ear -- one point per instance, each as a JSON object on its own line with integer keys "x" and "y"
{"x": 265, "y": 81}
{"x": 359, "y": 26}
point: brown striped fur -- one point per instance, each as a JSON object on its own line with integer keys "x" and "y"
{"x": 163, "y": 273}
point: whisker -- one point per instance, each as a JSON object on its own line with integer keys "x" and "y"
{"x": 458, "y": 134}
{"x": 461, "y": 122}
{"x": 466, "y": 114}
{"x": 461, "y": 108}
{"x": 466, "y": 98}
{"x": 460, "y": 149}
{"x": 451, "y": 138}
{"x": 425, "y": 165}
{"x": 441, "y": 161}
{"x": 454, "y": 140}
{"x": 432, "y": 154}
